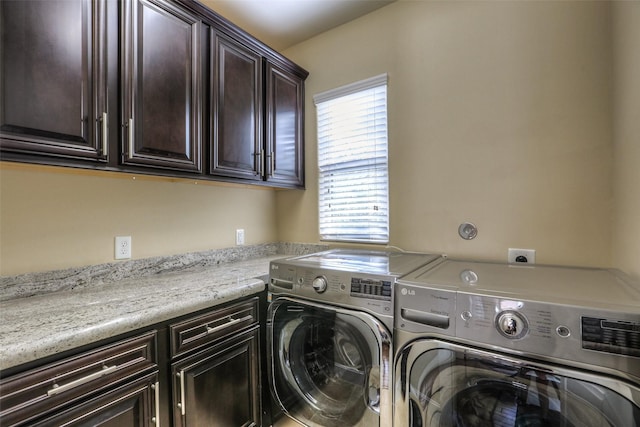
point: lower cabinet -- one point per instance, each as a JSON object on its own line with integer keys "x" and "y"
{"x": 219, "y": 386}
{"x": 215, "y": 368}
{"x": 196, "y": 371}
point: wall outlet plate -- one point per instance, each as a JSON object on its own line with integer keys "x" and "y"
{"x": 240, "y": 236}
{"x": 123, "y": 247}
{"x": 521, "y": 256}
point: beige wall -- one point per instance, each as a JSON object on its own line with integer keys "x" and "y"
{"x": 52, "y": 218}
{"x": 499, "y": 114}
{"x": 626, "y": 113}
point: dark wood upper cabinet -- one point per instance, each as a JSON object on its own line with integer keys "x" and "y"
{"x": 162, "y": 82}
{"x": 53, "y": 82}
{"x": 256, "y": 117}
{"x": 163, "y": 87}
{"x": 236, "y": 109}
{"x": 285, "y": 127}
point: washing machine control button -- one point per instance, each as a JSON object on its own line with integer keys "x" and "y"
{"x": 563, "y": 331}
{"x": 512, "y": 324}
{"x": 319, "y": 284}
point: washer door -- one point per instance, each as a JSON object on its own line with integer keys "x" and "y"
{"x": 448, "y": 385}
{"x": 326, "y": 364}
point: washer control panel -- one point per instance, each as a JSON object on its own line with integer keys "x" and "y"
{"x": 372, "y": 293}
{"x": 371, "y": 288}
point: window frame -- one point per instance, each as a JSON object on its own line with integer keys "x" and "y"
{"x": 375, "y": 144}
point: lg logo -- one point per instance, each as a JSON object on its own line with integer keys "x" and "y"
{"x": 405, "y": 291}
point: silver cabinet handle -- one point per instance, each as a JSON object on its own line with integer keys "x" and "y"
{"x": 57, "y": 389}
{"x": 105, "y": 135}
{"x": 271, "y": 160}
{"x": 130, "y": 137}
{"x": 258, "y": 156}
{"x": 182, "y": 403}
{"x": 156, "y": 419}
{"x": 231, "y": 322}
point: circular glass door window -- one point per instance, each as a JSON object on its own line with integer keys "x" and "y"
{"x": 329, "y": 362}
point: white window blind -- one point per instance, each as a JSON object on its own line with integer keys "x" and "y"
{"x": 353, "y": 162}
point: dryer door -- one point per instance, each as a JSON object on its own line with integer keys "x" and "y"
{"x": 329, "y": 366}
{"x": 444, "y": 385}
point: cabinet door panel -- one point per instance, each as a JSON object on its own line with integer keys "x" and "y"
{"x": 236, "y": 109}
{"x": 219, "y": 386}
{"x": 53, "y": 90}
{"x": 285, "y": 136}
{"x": 163, "y": 83}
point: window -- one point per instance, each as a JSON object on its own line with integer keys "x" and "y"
{"x": 353, "y": 162}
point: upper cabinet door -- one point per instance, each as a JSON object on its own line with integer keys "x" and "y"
{"x": 285, "y": 132}
{"x": 236, "y": 110}
{"x": 162, "y": 86}
{"x": 53, "y": 78}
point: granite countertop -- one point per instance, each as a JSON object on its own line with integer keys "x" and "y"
{"x": 43, "y": 325}
{"x": 83, "y": 306}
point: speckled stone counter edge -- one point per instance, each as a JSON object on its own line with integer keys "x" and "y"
{"x": 55, "y": 321}
{"x": 31, "y": 284}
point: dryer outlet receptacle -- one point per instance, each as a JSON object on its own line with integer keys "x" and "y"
{"x": 524, "y": 256}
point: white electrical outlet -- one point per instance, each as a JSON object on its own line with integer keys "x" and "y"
{"x": 522, "y": 256}
{"x": 240, "y": 236}
{"x": 123, "y": 247}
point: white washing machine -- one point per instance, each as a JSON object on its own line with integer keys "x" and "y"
{"x": 329, "y": 338}
{"x": 484, "y": 344}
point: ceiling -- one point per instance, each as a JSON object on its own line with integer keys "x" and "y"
{"x": 284, "y": 23}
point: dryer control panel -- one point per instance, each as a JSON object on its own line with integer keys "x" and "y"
{"x": 585, "y": 335}
{"x": 579, "y": 316}
{"x": 611, "y": 336}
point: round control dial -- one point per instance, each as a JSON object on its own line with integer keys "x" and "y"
{"x": 512, "y": 324}
{"x": 319, "y": 284}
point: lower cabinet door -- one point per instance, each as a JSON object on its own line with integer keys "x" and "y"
{"x": 219, "y": 386}
{"x": 134, "y": 404}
